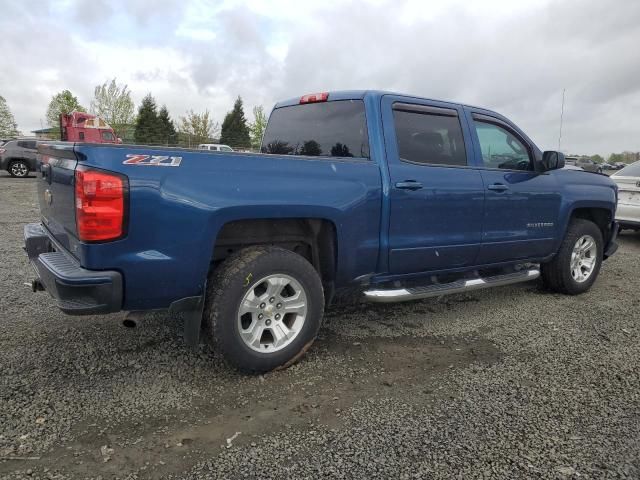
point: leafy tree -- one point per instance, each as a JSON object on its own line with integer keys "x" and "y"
{"x": 63, "y": 102}
{"x": 113, "y": 104}
{"x": 148, "y": 125}
{"x": 597, "y": 158}
{"x": 616, "y": 157}
{"x": 235, "y": 131}
{"x": 168, "y": 133}
{"x": 258, "y": 126}
{"x": 197, "y": 128}
{"x": 8, "y": 125}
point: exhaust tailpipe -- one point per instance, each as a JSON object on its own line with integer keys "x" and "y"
{"x": 129, "y": 323}
{"x": 37, "y": 286}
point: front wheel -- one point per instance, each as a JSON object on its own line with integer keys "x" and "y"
{"x": 577, "y": 264}
{"x": 264, "y": 308}
{"x": 19, "y": 169}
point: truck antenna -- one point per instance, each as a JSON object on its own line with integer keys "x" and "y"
{"x": 561, "y": 115}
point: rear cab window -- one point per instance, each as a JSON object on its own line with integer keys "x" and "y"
{"x": 324, "y": 129}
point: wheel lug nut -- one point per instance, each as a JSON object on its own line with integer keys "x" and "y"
{"x": 262, "y": 305}
{"x": 279, "y": 305}
{"x": 268, "y": 322}
{"x": 277, "y": 317}
{"x": 260, "y": 316}
{"x": 272, "y": 299}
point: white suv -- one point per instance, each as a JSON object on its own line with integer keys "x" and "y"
{"x": 215, "y": 147}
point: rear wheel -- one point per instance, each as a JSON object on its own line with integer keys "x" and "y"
{"x": 264, "y": 308}
{"x": 577, "y": 264}
{"x": 19, "y": 169}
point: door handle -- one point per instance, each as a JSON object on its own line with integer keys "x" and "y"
{"x": 498, "y": 187}
{"x": 409, "y": 185}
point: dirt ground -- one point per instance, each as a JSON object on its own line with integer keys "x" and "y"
{"x": 513, "y": 382}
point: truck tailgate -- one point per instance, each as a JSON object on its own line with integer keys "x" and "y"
{"x": 56, "y": 192}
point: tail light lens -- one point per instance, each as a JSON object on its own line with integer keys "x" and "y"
{"x": 2, "y": 150}
{"x": 101, "y": 205}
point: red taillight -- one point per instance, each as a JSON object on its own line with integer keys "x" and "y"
{"x": 315, "y": 97}
{"x": 2, "y": 150}
{"x": 100, "y": 205}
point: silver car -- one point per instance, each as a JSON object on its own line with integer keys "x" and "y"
{"x": 628, "y": 181}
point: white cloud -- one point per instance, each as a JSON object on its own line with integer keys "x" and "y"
{"x": 515, "y": 57}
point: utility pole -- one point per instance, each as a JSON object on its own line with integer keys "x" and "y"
{"x": 561, "y": 115}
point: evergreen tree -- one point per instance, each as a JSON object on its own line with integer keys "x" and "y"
{"x": 167, "y": 129}
{"x": 8, "y": 125}
{"x": 148, "y": 127}
{"x": 235, "y": 131}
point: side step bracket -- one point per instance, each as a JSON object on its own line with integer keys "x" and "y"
{"x": 459, "y": 286}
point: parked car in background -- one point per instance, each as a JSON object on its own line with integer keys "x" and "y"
{"x": 215, "y": 147}
{"x": 620, "y": 165}
{"x": 628, "y": 181}
{"x": 571, "y": 167}
{"x": 18, "y": 157}
{"x": 608, "y": 166}
{"x": 588, "y": 165}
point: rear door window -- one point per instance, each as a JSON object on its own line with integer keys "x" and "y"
{"x": 429, "y": 135}
{"x": 324, "y": 129}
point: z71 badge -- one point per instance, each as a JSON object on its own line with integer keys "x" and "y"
{"x": 153, "y": 160}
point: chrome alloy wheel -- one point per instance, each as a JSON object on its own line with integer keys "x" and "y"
{"x": 583, "y": 258}
{"x": 272, "y": 313}
{"x": 19, "y": 169}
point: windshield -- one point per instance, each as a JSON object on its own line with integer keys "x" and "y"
{"x": 632, "y": 170}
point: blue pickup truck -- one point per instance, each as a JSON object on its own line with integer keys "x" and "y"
{"x": 391, "y": 196}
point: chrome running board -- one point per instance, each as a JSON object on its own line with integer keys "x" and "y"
{"x": 459, "y": 286}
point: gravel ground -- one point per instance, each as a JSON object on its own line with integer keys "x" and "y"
{"x": 507, "y": 383}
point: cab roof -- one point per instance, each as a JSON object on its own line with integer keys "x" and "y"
{"x": 361, "y": 94}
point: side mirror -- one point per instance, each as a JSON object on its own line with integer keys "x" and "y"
{"x": 552, "y": 160}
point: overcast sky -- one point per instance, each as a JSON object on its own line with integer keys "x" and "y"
{"x": 511, "y": 56}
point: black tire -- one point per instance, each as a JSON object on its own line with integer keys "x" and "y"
{"x": 226, "y": 289}
{"x": 18, "y": 169}
{"x": 556, "y": 274}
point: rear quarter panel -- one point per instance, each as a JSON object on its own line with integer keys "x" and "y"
{"x": 175, "y": 213}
